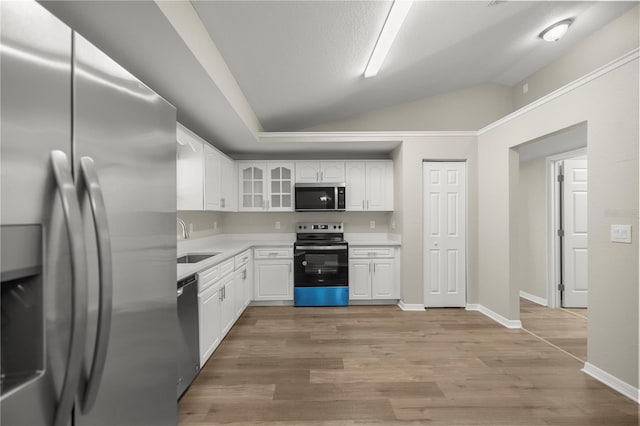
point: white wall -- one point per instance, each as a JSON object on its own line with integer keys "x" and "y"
{"x": 466, "y": 109}
{"x": 609, "y": 106}
{"x": 409, "y": 208}
{"x": 532, "y": 242}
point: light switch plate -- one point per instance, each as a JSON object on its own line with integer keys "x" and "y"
{"x": 621, "y": 234}
{"x": 372, "y": 224}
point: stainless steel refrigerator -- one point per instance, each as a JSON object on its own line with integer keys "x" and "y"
{"x": 88, "y": 247}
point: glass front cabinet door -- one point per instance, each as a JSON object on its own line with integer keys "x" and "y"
{"x": 280, "y": 186}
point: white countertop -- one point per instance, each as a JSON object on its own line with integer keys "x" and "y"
{"x": 229, "y": 245}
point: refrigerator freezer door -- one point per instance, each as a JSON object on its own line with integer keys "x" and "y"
{"x": 35, "y": 120}
{"x": 130, "y": 132}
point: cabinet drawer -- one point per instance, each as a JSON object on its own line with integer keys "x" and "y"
{"x": 371, "y": 252}
{"x": 207, "y": 278}
{"x": 242, "y": 259}
{"x": 226, "y": 267}
{"x": 273, "y": 253}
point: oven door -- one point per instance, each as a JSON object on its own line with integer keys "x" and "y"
{"x": 321, "y": 266}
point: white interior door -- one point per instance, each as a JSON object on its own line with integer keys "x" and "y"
{"x": 575, "y": 249}
{"x": 444, "y": 234}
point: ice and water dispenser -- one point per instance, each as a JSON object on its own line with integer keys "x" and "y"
{"x": 21, "y": 299}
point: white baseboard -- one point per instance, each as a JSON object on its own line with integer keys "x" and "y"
{"x": 613, "y": 382}
{"x": 535, "y": 299}
{"x": 271, "y": 303}
{"x": 494, "y": 316}
{"x": 375, "y": 302}
{"x": 410, "y": 306}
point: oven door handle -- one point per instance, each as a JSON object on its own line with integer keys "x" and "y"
{"x": 325, "y": 248}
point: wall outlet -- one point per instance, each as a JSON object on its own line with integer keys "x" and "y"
{"x": 372, "y": 224}
{"x": 621, "y": 234}
{"x": 277, "y": 224}
{"x": 191, "y": 228}
{"x": 393, "y": 224}
{"x": 215, "y": 225}
{"x": 525, "y": 88}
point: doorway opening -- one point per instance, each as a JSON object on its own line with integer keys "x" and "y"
{"x": 552, "y": 238}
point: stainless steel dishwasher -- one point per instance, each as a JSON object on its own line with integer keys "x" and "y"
{"x": 188, "y": 343}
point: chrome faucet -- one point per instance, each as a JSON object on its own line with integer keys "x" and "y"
{"x": 185, "y": 233}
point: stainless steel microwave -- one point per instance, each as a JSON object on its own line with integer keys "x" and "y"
{"x": 320, "y": 197}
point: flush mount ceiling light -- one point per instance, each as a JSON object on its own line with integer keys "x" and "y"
{"x": 398, "y": 12}
{"x": 556, "y": 31}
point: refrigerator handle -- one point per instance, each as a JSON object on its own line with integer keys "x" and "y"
{"x": 88, "y": 182}
{"x": 79, "y": 297}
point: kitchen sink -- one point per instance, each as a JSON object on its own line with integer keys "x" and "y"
{"x": 195, "y": 257}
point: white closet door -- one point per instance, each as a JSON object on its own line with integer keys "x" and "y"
{"x": 575, "y": 248}
{"x": 444, "y": 234}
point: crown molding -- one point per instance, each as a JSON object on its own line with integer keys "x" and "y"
{"x": 598, "y": 72}
{"x": 357, "y": 136}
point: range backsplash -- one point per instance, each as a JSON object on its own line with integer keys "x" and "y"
{"x": 250, "y": 222}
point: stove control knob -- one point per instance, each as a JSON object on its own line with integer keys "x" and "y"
{"x": 304, "y": 263}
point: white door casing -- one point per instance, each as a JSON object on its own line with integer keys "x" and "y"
{"x": 575, "y": 246}
{"x": 444, "y": 234}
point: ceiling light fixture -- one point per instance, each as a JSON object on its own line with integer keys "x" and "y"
{"x": 556, "y": 31}
{"x": 397, "y": 13}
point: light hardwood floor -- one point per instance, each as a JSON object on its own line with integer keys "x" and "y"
{"x": 566, "y": 328}
{"x": 364, "y": 365}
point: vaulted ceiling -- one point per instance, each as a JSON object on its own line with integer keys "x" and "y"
{"x": 301, "y": 63}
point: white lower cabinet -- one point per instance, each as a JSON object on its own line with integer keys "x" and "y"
{"x": 242, "y": 282}
{"x": 373, "y": 273}
{"x": 227, "y": 306}
{"x": 273, "y": 273}
{"x": 222, "y": 297}
{"x": 274, "y": 280}
{"x": 359, "y": 279}
{"x": 209, "y": 322}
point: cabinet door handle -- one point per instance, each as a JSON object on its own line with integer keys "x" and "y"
{"x": 244, "y": 274}
{"x": 374, "y": 269}
{"x": 362, "y": 204}
{"x": 321, "y": 176}
{"x": 317, "y": 176}
{"x": 367, "y": 204}
{"x": 289, "y": 268}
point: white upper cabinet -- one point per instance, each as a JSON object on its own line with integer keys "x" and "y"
{"x": 356, "y": 186}
{"x": 369, "y": 185}
{"x": 280, "y": 176}
{"x": 220, "y": 191}
{"x": 212, "y": 176}
{"x": 228, "y": 181}
{"x": 252, "y": 177}
{"x": 189, "y": 170}
{"x": 206, "y": 177}
{"x": 320, "y": 171}
{"x": 265, "y": 185}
